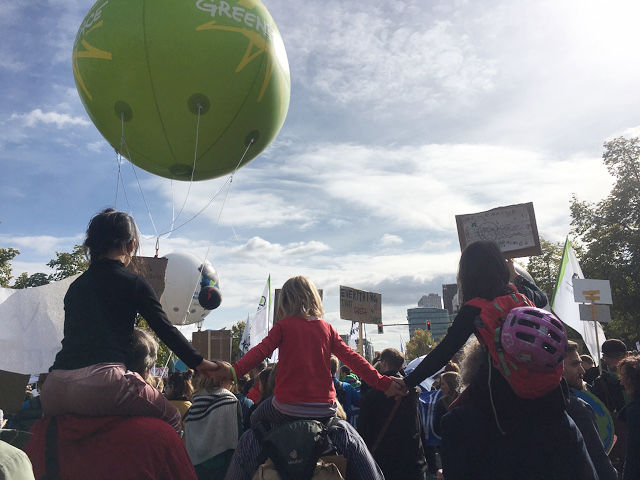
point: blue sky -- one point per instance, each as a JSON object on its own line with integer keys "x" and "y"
{"x": 402, "y": 115}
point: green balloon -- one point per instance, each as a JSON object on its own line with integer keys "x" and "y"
{"x": 161, "y": 72}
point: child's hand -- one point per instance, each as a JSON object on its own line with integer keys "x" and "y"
{"x": 397, "y": 388}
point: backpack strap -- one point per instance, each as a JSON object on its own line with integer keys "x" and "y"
{"x": 51, "y": 461}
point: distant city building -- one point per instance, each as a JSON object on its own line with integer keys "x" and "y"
{"x": 438, "y": 318}
{"x": 449, "y": 291}
{"x": 433, "y": 300}
{"x": 368, "y": 350}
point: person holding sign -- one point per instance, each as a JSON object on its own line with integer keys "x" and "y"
{"x": 512, "y": 415}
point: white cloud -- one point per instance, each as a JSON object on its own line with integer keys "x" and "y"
{"x": 34, "y": 117}
{"x": 97, "y": 147}
{"x": 41, "y": 244}
{"x": 259, "y": 248}
{"x": 381, "y": 58}
{"x": 389, "y": 239}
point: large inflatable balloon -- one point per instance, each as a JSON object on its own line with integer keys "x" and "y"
{"x": 165, "y": 72}
{"x": 185, "y": 281}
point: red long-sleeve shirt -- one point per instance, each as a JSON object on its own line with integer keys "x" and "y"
{"x": 304, "y": 368}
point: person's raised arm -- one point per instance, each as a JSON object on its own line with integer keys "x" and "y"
{"x": 358, "y": 364}
{"x": 457, "y": 335}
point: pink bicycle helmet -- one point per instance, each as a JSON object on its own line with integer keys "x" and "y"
{"x": 535, "y": 337}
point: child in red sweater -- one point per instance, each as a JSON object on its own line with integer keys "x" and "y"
{"x": 304, "y": 386}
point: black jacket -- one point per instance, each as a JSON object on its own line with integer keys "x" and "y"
{"x": 100, "y": 310}
{"x": 399, "y": 454}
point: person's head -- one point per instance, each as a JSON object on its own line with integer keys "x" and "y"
{"x": 474, "y": 361}
{"x": 483, "y": 271}
{"x": 299, "y": 297}
{"x": 613, "y": 350}
{"x": 111, "y": 232}
{"x": 345, "y": 371}
{"x": 452, "y": 367}
{"x": 391, "y": 360}
{"x": 587, "y": 362}
{"x": 629, "y": 373}
{"x": 334, "y": 365}
{"x": 450, "y": 383}
{"x": 255, "y": 371}
{"x": 267, "y": 382}
{"x": 573, "y": 369}
{"x": 143, "y": 353}
{"x": 179, "y": 387}
{"x": 202, "y": 383}
{"x": 244, "y": 384}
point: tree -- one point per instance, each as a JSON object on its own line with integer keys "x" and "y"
{"x": 6, "y": 255}
{"x": 68, "y": 264}
{"x": 25, "y": 280}
{"x": 544, "y": 268}
{"x": 237, "y": 330}
{"x": 609, "y": 231}
{"x": 420, "y": 344}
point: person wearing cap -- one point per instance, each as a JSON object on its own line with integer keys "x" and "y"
{"x": 607, "y": 386}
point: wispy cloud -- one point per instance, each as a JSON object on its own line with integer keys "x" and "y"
{"x": 37, "y": 116}
{"x": 380, "y": 58}
{"x": 389, "y": 239}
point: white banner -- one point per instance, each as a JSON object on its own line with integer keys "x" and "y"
{"x": 258, "y": 327}
{"x": 353, "y": 334}
{"x": 32, "y": 326}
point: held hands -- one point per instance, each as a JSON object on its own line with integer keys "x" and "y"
{"x": 397, "y": 388}
{"x": 215, "y": 370}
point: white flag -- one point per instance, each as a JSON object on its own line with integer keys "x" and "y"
{"x": 246, "y": 337}
{"x": 259, "y": 326}
{"x": 566, "y": 308}
{"x": 353, "y": 334}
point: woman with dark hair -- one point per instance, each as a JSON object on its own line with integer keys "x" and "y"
{"x": 179, "y": 391}
{"x": 497, "y": 433}
{"x": 629, "y": 373}
{"x": 89, "y": 376}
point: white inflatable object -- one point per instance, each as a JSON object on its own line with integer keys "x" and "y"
{"x": 182, "y": 285}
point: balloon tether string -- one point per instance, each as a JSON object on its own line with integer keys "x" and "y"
{"x": 193, "y": 168}
{"x": 224, "y": 201}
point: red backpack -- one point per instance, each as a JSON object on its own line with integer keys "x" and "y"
{"x": 524, "y": 382}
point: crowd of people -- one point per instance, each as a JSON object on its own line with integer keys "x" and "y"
{"x": 513, "y": 407}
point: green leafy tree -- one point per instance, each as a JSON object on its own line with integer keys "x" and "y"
{"x": 609, "y": 231}
{"x": 420, "y": 344}
{"x": 25, "y": 280}
{"x": 68, "y": 264}
{"x": 544, "y": 268}
{"x": 6, "y": 255}
{"x": 237, "y": 330}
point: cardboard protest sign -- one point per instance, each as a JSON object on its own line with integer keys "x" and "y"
{"x": 512, "y": 227}
{"x": 152, "y": 269}
{"x": 360, "y": 306}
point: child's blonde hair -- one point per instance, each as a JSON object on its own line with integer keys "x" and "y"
{"x": 299, "y": 297}
{"x": 200, "y": 382}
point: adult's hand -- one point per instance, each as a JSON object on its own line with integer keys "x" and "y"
{"x": 397, "y": 388}
{"x": 211, "y": 369}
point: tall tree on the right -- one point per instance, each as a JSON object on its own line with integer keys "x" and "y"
{"x": 609, "y": 231}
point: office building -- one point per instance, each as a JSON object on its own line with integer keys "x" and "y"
{"x": 449, "y": 291}
{"x": 438, "y": 319}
